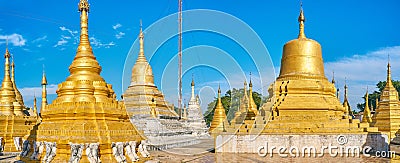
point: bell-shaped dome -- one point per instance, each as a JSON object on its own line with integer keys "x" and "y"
{"x": 302, "y": 56}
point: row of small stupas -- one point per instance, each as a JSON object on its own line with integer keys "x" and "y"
{"x": 86, "y": 123}
{"x": 304, "y": 109}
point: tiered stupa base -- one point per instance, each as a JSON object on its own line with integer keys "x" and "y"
{"x": 83, "y": 122}
{"x": 246, "y": 135}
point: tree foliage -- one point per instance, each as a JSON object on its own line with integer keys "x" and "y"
{"x": 376, "y": 94}
{"x": 231, "y": 102}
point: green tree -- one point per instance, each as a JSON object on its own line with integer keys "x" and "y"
{"x": 376, "y": 94}
{"x": 231, "y": 102}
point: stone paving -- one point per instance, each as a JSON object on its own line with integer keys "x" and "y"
{"x": 204, "y": 153}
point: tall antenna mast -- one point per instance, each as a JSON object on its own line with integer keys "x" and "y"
{"x": 180, "y": 57}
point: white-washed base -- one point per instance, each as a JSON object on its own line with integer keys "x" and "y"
{"x": 253, "y": 143}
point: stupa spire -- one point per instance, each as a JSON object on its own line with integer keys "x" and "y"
{"x": 346, "y": 104}
{"x": 141, "y": 57}
{"x": 34, "y": 106}
{"x": 18, "y": 95}
{"x": 193, "y": 97}
{"x": 301, "y": 20}
{"x": 7, "y": 80}
{"x": 219, "y": 114}
{"x": 252, "y": 104}
{"x": 7, "y": 93}
{"x": 367, "y": 111}
{"x": 389, "y": 73}
{"x": 44, "y": 91}
{"x": 142, "y": 72}
{"x": 345, "y": 90}
{"x": 85, "y": 65}
{"x": 84, "y": 43}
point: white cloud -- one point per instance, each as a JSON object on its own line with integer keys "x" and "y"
{"x": 362, "y": 71}
{"x": 116, "y": 26}
{"x": 69, "y": 31}
{"x": 61, "y": 42}
{"x": 30, "y": 92}
{"x": 64, "y": 39}
{"x": 43, "y": 38}
{"x": 119, "y": 35}
{"x": 98, "y": 44}
{"x": 14, "y": 39}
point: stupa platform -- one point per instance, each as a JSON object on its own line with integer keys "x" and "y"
{"x": 245, "y": 143}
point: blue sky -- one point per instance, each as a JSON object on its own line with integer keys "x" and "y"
{"x": 356, "y": 37}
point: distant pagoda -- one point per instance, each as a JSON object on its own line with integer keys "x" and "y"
{"x": 195, "y": 118}
{"x": 219, "y": 121}
{"x": 142, "y": 92}
{"x": 150, "y": 112}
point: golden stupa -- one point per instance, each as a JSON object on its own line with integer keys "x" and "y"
{"x": 44, "y": 92}
{"x": 386, "y": 116}
{"x": 367, "y": 112}
{"x": 219, "y": 121}
{"x": 85, "y": 110}
{"x": 15, "y": 124}
{"x": 302, "y": 100}
{"x": 346, "y": 104}
{"x": 142, "y": 93}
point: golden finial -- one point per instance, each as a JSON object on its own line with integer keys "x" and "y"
{"x": 219, "y": 91}
{"x": 84, "y": 43}
{"x": 141, "y": 56}
{"x": 345, "y": 90}
{"x": 34, "y": 102}
{"x": 245, "y": 88}
{"x": 7, "y": 54}
{"x": 192, "y": 84}
{"x": 83, "y": 5}
{"x": 12, "y": 61}
{"x": 301, "y": 20}
{"x": 250, "y": 84}
{"x": 389, "y": 74}
{"x": 333, "y": 77}
{"x": 141, "y": 26}
{"x": 12, "y": 69}
{"x": 44, "y": 79}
